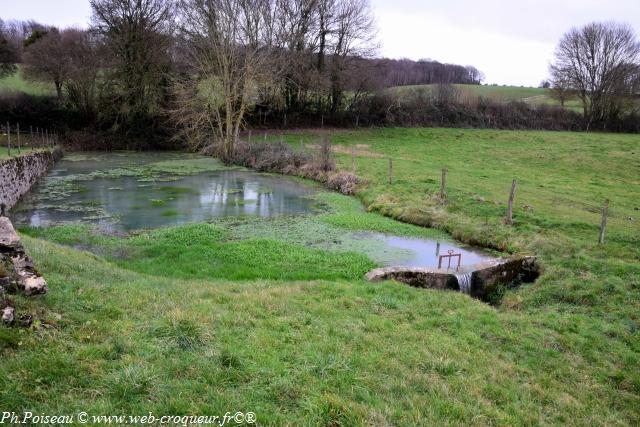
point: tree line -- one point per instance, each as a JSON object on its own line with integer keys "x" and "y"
{"x": 201, "y": 70}
{"x": 142, "y": 64}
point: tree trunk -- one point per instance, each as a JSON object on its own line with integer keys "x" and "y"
{"x": 58, "y": 85}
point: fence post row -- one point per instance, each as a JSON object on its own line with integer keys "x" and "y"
{"x": 48, "y": 138}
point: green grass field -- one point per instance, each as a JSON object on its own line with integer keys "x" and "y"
{"x": 501, "y": 93}
{"x": 6, "y": 154}
{"x": 25, "y": 145}
{"x": 529, "y": 95}
{"x": 17, "y": 83}
{"x": 247, "y": 315}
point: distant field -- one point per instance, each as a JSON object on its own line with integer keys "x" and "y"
{"x": 17, "y": 83}
{"x": 530, "y": 95}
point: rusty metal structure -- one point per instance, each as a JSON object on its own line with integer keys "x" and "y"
{"x": 449, "y": 255}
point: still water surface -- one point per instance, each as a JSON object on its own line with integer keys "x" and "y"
{"x": 128, "y": 191}
{"x": 149, "y": 195}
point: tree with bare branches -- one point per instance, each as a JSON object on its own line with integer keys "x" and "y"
{"x": 352, "y": 36}
{"x": 137, "y": 34}
{"x": 560, "y": 87}
{"x": 229, "y": 50}
{"x": 46, "y": 59}
{"x": 598, "y": 61}
{"x": 8, "y": 54}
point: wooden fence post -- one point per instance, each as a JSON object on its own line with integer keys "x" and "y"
{"x": 512, "y": 195}
{"x": 353, "y": 159}
{"x": 443, "y": 185}
{"x": 8, "y": 139}
{"x": 603, "y": 223}
{"x": 390, "y": 171}
{"x": 18, "y": 133}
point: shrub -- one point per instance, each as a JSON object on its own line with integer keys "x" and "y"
{"x": 344, "y": 182}
{"x": 279, "y": 157}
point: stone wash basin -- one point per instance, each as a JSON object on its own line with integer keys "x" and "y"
{"x": 478, "y": 280}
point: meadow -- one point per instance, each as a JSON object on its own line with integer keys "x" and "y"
{"x": 249, "y": 315}
{"x": 17, "y": 83}
{"x": 5, "y": 153}
{"x": 528, "y": 95}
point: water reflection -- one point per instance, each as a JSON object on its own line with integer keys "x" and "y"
{"x": 132, "y": 203}
{"x": 415, "y": 252}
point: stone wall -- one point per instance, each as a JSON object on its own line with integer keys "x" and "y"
{"x": 17, "y": 275}
{"x": 17, "y": 272}
{"x": 18, "y": 174}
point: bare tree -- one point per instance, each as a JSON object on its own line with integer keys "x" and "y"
{"x": 597, "y": 61}
{"x": 70, "y": 59}
{"x": 476, "y": 76}
{"x": 85, "y": 53}
{"x": 296, "y": 28}
{"x": 229, "y": 45}
{"x": 45, "y": 59}
{"x": 560, "y": 87}
{"x": 353, "y": 33}
{"x": 8, "y": 54}
{"x": 137, "y": 34}
{"x": 544, "y": 84}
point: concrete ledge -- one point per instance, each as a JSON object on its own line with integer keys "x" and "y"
{"x": 478, "y": 280}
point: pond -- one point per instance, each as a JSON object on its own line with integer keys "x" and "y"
{"x": 415, "y": 252}
{"x": 127, "y": 191}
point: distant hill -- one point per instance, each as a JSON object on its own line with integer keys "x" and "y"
{"x": 17, "y": 83}
{"x": 530, "y": 95}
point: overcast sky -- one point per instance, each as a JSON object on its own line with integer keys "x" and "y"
{"x": 512, "y": 42}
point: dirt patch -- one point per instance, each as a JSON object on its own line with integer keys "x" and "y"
{"x": 361, "y": 150}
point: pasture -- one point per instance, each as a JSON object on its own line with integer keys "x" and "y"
{"x": 156, "y": 321}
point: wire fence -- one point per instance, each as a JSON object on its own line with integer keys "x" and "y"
{"x": 16, "y": 140}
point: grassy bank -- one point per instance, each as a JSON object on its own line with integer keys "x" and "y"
{"x": 6, "y": 154}
{"x": 563, "y": 180}
{"x": 264, "y": 316}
